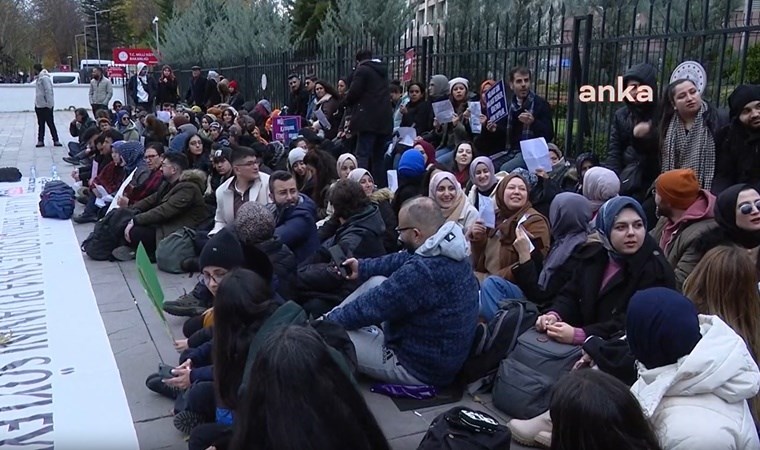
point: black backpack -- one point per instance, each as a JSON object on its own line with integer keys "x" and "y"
{"x": 466, "y": 429}
{"x": 107, "y": 235}
{"x": 57, "y": 200}
{"x": 511, "y": 320}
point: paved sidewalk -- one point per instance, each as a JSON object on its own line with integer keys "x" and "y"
{"x": 138, "y": 339}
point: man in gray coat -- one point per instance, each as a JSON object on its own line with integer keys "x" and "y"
{"x": 43, "y": 106}
{"x": 101, "y": 91}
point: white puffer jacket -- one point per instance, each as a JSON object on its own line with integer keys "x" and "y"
{"x": 700, "y": 402}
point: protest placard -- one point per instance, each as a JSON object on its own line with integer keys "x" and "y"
{"x": 286, "y": 128}
{"x": 496, "y": 102}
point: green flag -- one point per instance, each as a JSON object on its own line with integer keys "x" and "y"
{"x": 149, "y": 280}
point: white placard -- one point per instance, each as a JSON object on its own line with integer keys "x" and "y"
{"x": 323, "y": 121}
{"x": 61, "y": 387}
{"x": 392, "y": 180}
{"x": 486, "y": 211}
{"x": 536, "y": 154}
{"x": 475, "y": 124}
{"x": 406, "y": 136}
{"x": 444, "y": 111}
{"x": 120, "y": 192}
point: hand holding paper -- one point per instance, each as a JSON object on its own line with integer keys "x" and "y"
{"x": 486, "y": 210}
{"x": 536, "y": 154}
{"x": 521, "y": 230}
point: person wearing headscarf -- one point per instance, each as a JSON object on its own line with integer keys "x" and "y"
{"x": 381, "y": 197}
{"x": 738, "y": 158}
{"x": 583, "y": 162}
{"x": 428, "y": 151}
{"x": 542, "y": 189}
{"x": 493, "y": 252}
{"x": 483, "y": 178}
{"x": 695, "y": 374}
{"x": 346, "y": 163}
{"x": 599, "y": 185}
{"x": 569, "y": 217}
{"x": 560, "y": 168}
{"x": 594, "y": 300}
{"x": 449, "y": 196}
{"x": 411, "y": 172}
{"x": 126, "y": 127}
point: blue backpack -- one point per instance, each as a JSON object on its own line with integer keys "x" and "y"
{"x": 57, "y": 200}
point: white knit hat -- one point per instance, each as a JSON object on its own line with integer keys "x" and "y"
{"x": 459, "y": 80}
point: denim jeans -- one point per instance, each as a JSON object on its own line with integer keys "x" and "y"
{"x": 514, "y": 163}
{"x": 493, "y": 291}
{"x": 444, "y": 156}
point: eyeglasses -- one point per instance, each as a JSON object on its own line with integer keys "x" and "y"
{"x": 747, "y": 208}
{"x": 206, "y": 278}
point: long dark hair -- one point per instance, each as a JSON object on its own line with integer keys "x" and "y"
{"x": 301, "y": 399}
{"x": 329, "y": 89}
{"x": 592, "y": 410}
{"x": 668, "y": 106}
{"x": 242, "y": 304}
{"x": 324, "y": 174}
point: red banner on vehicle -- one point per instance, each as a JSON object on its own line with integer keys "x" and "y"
{"x": 134, "y": 56}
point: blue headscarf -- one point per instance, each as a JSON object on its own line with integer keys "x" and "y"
{"x": 132, "y": 152}
{"x": 661, "y": 326}
{"x": 411, "y": 164}
{"x": 605, "y": 219}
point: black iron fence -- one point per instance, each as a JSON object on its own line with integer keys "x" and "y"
{"x": 563, "y": 49}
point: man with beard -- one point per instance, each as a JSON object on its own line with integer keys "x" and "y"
{"x": 738, "y": 158}
{"x": 685, "y": 217}
{"x": 295, "y": 216}
{"x": 426, "y": 336}
{"x": 101, "y": 91}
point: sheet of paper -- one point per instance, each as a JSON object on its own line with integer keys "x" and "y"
{"x": 120, "y": 192}
{"x": 486, "y": 211}
{"x": 444, "y": 111}
{"x": 406, "y": 136}
{"x": 94, "y": 172}
{"x": 392, "y": 180}
{"x": 323, "y": 121}
{"x": 520, "y": 223}
{"x": 475, "y": 113}
{"x": 536, "y": 154}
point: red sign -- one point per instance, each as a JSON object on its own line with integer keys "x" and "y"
{"x": 408, "y": 65}
{"x": 134, "y": 56}
{"x": 64, "y": 68}
{"x": 116, "y": 72}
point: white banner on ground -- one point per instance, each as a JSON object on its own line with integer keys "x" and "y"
{"x": 59, "y": 384}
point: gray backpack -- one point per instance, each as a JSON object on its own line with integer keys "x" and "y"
{"x": 525, "y": 378}
{"x": 174, "y": 249}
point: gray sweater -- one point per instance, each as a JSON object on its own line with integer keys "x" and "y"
{"x": 101, "y": 91}
{"x": 44, "y": 91}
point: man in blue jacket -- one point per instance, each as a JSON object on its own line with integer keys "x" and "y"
{"x": 295, "y": 216}
{"x": 427, "y": 333}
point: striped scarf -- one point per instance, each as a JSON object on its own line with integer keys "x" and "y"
{"x": 693, "y": 150}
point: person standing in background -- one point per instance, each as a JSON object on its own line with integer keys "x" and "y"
{"x": 44, "y": 102}
{"x": 142, "y": 88}
{"x": 101, "y": 91}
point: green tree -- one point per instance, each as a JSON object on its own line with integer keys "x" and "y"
{"x": 188, "y": 35}
{"x": 113, "y": 28}
{"x": 379, "y": 23}
{"x": 307, "y": 17}
{"x": 264, "y": 27}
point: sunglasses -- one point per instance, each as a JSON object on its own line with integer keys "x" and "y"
{"x": 747, "y": 208}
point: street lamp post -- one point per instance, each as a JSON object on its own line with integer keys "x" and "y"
{"x": 86, "y": 50}
{"x": 155, "y": 24}
{"x": 97, "y": 36}
{"x": 76, "y": 46}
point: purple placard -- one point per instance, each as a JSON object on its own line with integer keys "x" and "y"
{"x": 286, "y": 128}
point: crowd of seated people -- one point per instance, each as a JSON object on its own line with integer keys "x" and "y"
{"x": 659, "y": 242}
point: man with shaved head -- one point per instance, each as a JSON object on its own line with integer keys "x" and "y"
{"x": 426, "y": 299}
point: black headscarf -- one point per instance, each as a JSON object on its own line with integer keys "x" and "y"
{"x": 725, "y": 215}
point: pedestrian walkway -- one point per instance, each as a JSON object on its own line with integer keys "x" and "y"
{"x": 138, "y": 339}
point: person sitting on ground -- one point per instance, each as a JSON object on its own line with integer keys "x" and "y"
{"x": 449, "y": 196}
{"x": 108, "y": 180}
{"x": 221, "y": 171}
{"x": 536, "y": 279}
{"x": 360, "y": 233}
{"x": 126, "y": 127}
{"x": 147, "y": 178}
{"x": 493, "y": 252}
{"x": 593, "y": 302}
{"x": 599, "y": 185}
{"x": 82, "y": 122}
{"x": 583, "y": 163}
{"x": 695, "y": 373}
{"x": 177, "y": 203}
{"x": 484, "y": 181}
{"x": 425, "y": 339}
{"x": 724, "y": 283}
{"x": 247, "y": 184}
{"x": 382, "y": 198}
{"x": 686, "y": 215}
{"x": 296, "y": 379}
{"x": 295, "y": 216}
{"x": 411, "y": 172}
{"x": 737, "y": 159}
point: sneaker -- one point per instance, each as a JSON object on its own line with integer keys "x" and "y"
{"x": 40, "y": 144}
{"x": 544, "y": 439}
{"x": 186, "y": 420}
{"x": 154, "y": 383}
{"x": 57, "y": 144}
{"x": 86, "y": 218}
{"x": 83, "y": 199}
{"x": 526, "y": 431}
{"x": 123, "y": 253}
{"x": 187, "y": 305}
{"x": 71, "y": 160}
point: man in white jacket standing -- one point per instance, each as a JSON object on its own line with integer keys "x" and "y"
{"x": 247, "y": 185}
{"x": 44, "y": 102}
{"x": 695, "y": 374}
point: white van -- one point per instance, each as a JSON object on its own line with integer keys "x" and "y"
{"x": 62, "y": 78}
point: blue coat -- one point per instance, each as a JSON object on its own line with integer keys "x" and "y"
{"x": 296, "y": 228}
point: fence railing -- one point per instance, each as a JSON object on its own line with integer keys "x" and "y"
{"x": 563, "y": 49}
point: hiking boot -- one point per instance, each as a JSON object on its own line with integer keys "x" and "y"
{"x": 544, "y": 439}
{"x": 57, "y": 144}
{"x": 154, "y": 383}
{"x": 187, "y": 305}
{"x": 186, "y": 420}
{"x": 40, "y": 144}
{"x": 86, "y": 217}
{"x": 71, "y": 160}
{"x": 190, "y": 265}
{"x": 526, "y": 431}
{"x": 123, "y": 253}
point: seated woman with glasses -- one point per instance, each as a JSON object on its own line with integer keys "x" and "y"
{"x": 737, "y": 211}
{"x": 147, "y": 178}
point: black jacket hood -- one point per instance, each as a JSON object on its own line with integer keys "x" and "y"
{"x": 644, "y": 73}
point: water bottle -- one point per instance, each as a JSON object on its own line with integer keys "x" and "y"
{"x": 33, "y": 173}
{"x": 54, "y": 173}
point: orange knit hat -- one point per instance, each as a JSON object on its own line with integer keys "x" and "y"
{"x": 679, "y": 188}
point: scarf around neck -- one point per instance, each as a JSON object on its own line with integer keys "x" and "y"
{"x": 694, "y": 149}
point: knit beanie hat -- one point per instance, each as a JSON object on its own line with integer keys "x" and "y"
{"x": 459, "y": 80}
{"x": 295, "y": 155}
{"x": 679, "y": 188}
{"x": 222, "y": 250}
{"x": 662, "y": 326}
{"x": 411, "y": 164}
{"x": 254, "y": 223}
{"x": 742, "y": 95}
{"x": 233, "y": 85}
